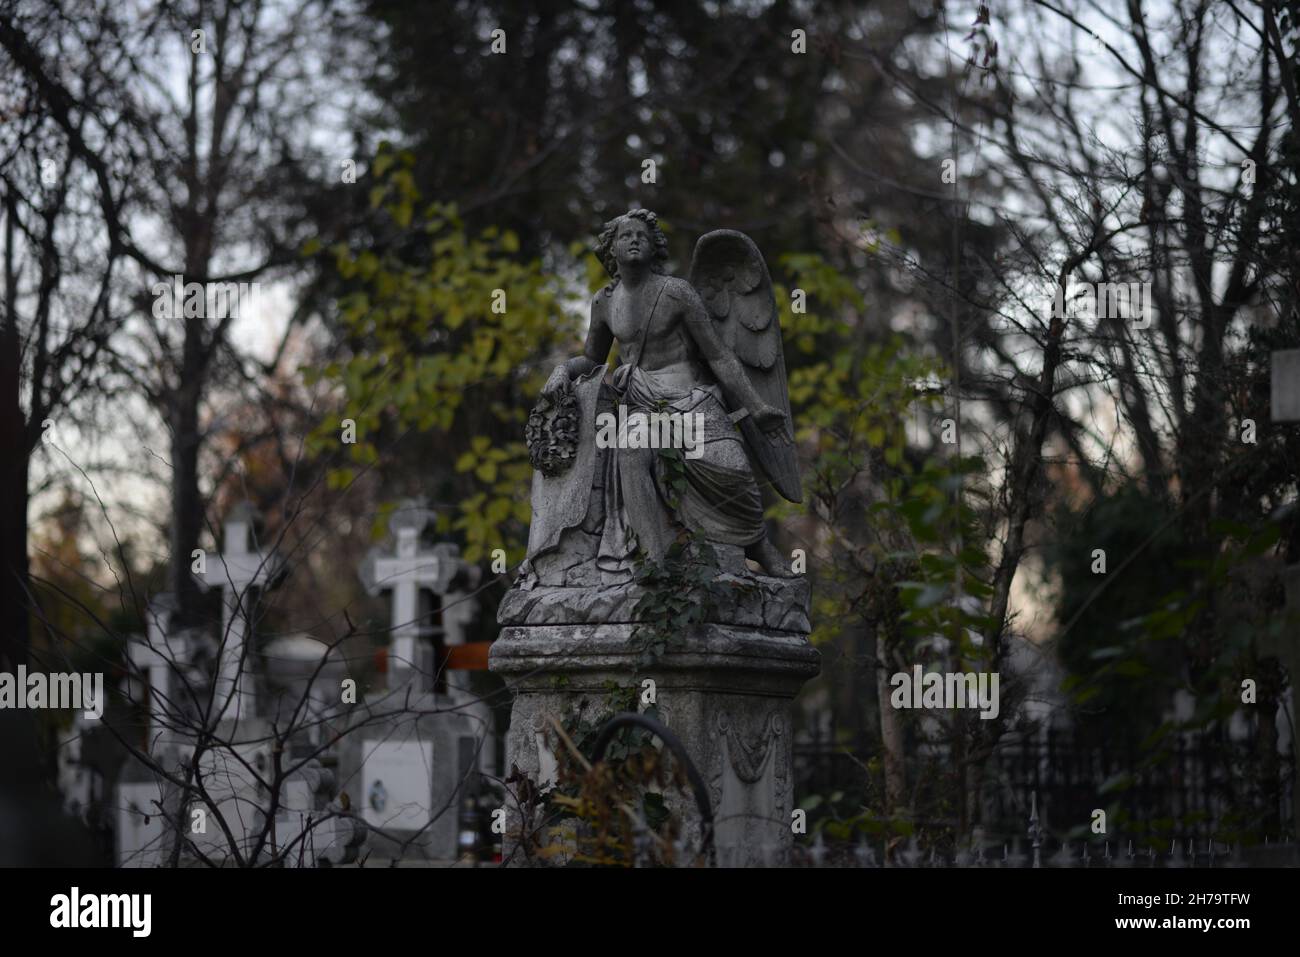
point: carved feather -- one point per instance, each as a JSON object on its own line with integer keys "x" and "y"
{"x": 731, "y": 277}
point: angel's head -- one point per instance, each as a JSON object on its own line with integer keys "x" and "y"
{"x": 634, "y": 237}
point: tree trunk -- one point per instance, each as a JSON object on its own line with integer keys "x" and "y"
{"x": 15, "y": 633}
{"x": 187, "y": 506}
{"x": 14, "y": 623}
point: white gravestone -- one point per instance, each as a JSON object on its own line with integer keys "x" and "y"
{"x": 405, "y": 770}
{"x": 163, "y": 657}
{"x": 162, "y": 666}
{"x": 140, "y": 827}
{"x": 237, "y": 571}
{"x": 402, "y": 573}
{"x": 396, "y": 783}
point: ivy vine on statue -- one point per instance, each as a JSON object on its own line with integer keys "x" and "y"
{"x": 617, "y": 482}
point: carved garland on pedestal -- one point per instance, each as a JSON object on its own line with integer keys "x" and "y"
{"x": 552, "y": 434}
{"x": 746, "y": 759}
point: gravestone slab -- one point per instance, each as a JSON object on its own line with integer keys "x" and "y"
{"x": 140, "y": 825}
{"x": 397, "y": 781}
{"x": 405, "y": 772}
{"x": 230, "y": 775}
{"x": 237, "y": 573}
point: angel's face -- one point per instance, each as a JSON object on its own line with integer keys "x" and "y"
{"x": 632, "y": 243}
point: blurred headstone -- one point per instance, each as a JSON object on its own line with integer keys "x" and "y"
{"x": 427, "y": 736}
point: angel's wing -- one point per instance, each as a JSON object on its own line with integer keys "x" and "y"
{"x": 729, "y": 273}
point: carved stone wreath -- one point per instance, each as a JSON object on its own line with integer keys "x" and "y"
{"x": 552, "y": 434}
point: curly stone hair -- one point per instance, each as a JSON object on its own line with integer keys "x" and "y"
{"x": 605, "y": 245}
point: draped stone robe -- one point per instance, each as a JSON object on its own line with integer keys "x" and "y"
{"x": 720, "y": 501}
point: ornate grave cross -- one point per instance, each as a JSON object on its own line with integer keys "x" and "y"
{"x": 403, "y": 572}
{"x": 1285, "y": 644}
{"x": 458, "y": 614}
{"x": 237, "y": 571}
{"x": 163, "y": 649}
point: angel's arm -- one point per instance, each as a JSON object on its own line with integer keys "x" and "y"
{"x": 600, "y": 338}
{"x": 736, "y": 387}
{"x": 596, "y": 350}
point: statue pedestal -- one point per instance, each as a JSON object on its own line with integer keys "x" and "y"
{"x": 725, "y": 691}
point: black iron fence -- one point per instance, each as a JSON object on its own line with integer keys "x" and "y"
{"x": 1195, "y": 801}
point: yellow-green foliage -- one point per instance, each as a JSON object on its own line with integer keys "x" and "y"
{"x": 853, "y": 396}
{"x": 430, "y": 353}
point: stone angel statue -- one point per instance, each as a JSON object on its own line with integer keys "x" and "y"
{"x": 708, "y": 347}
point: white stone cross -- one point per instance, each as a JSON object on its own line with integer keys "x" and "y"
{"x": 403, "y": 573}
{"x": 237, "y": 571}
{"x": 163, "y": 649}
{"x": 459, "y": 610}
{"x": 458, "y": 614}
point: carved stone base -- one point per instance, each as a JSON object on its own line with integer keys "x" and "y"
{"x": 740, "y": 601}
{"x": 725, "y": 691}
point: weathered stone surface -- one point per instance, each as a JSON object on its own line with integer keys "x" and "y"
{"x": 702, "y": 371}
{"x": 751, "y": 601}
{"x": 726, "y": 693}
{"x": 708, "y": 348}
{"x": 563, "y": 501}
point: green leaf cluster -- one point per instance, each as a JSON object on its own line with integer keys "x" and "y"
{"x": 449, "y": 333}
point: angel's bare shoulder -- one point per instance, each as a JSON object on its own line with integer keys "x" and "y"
{"x": 600, "y": 304}
{"x": 681, "y": 291}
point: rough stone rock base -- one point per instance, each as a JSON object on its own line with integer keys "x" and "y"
{"x": 725, "y": 691}
{"x": 748, "y": 602}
